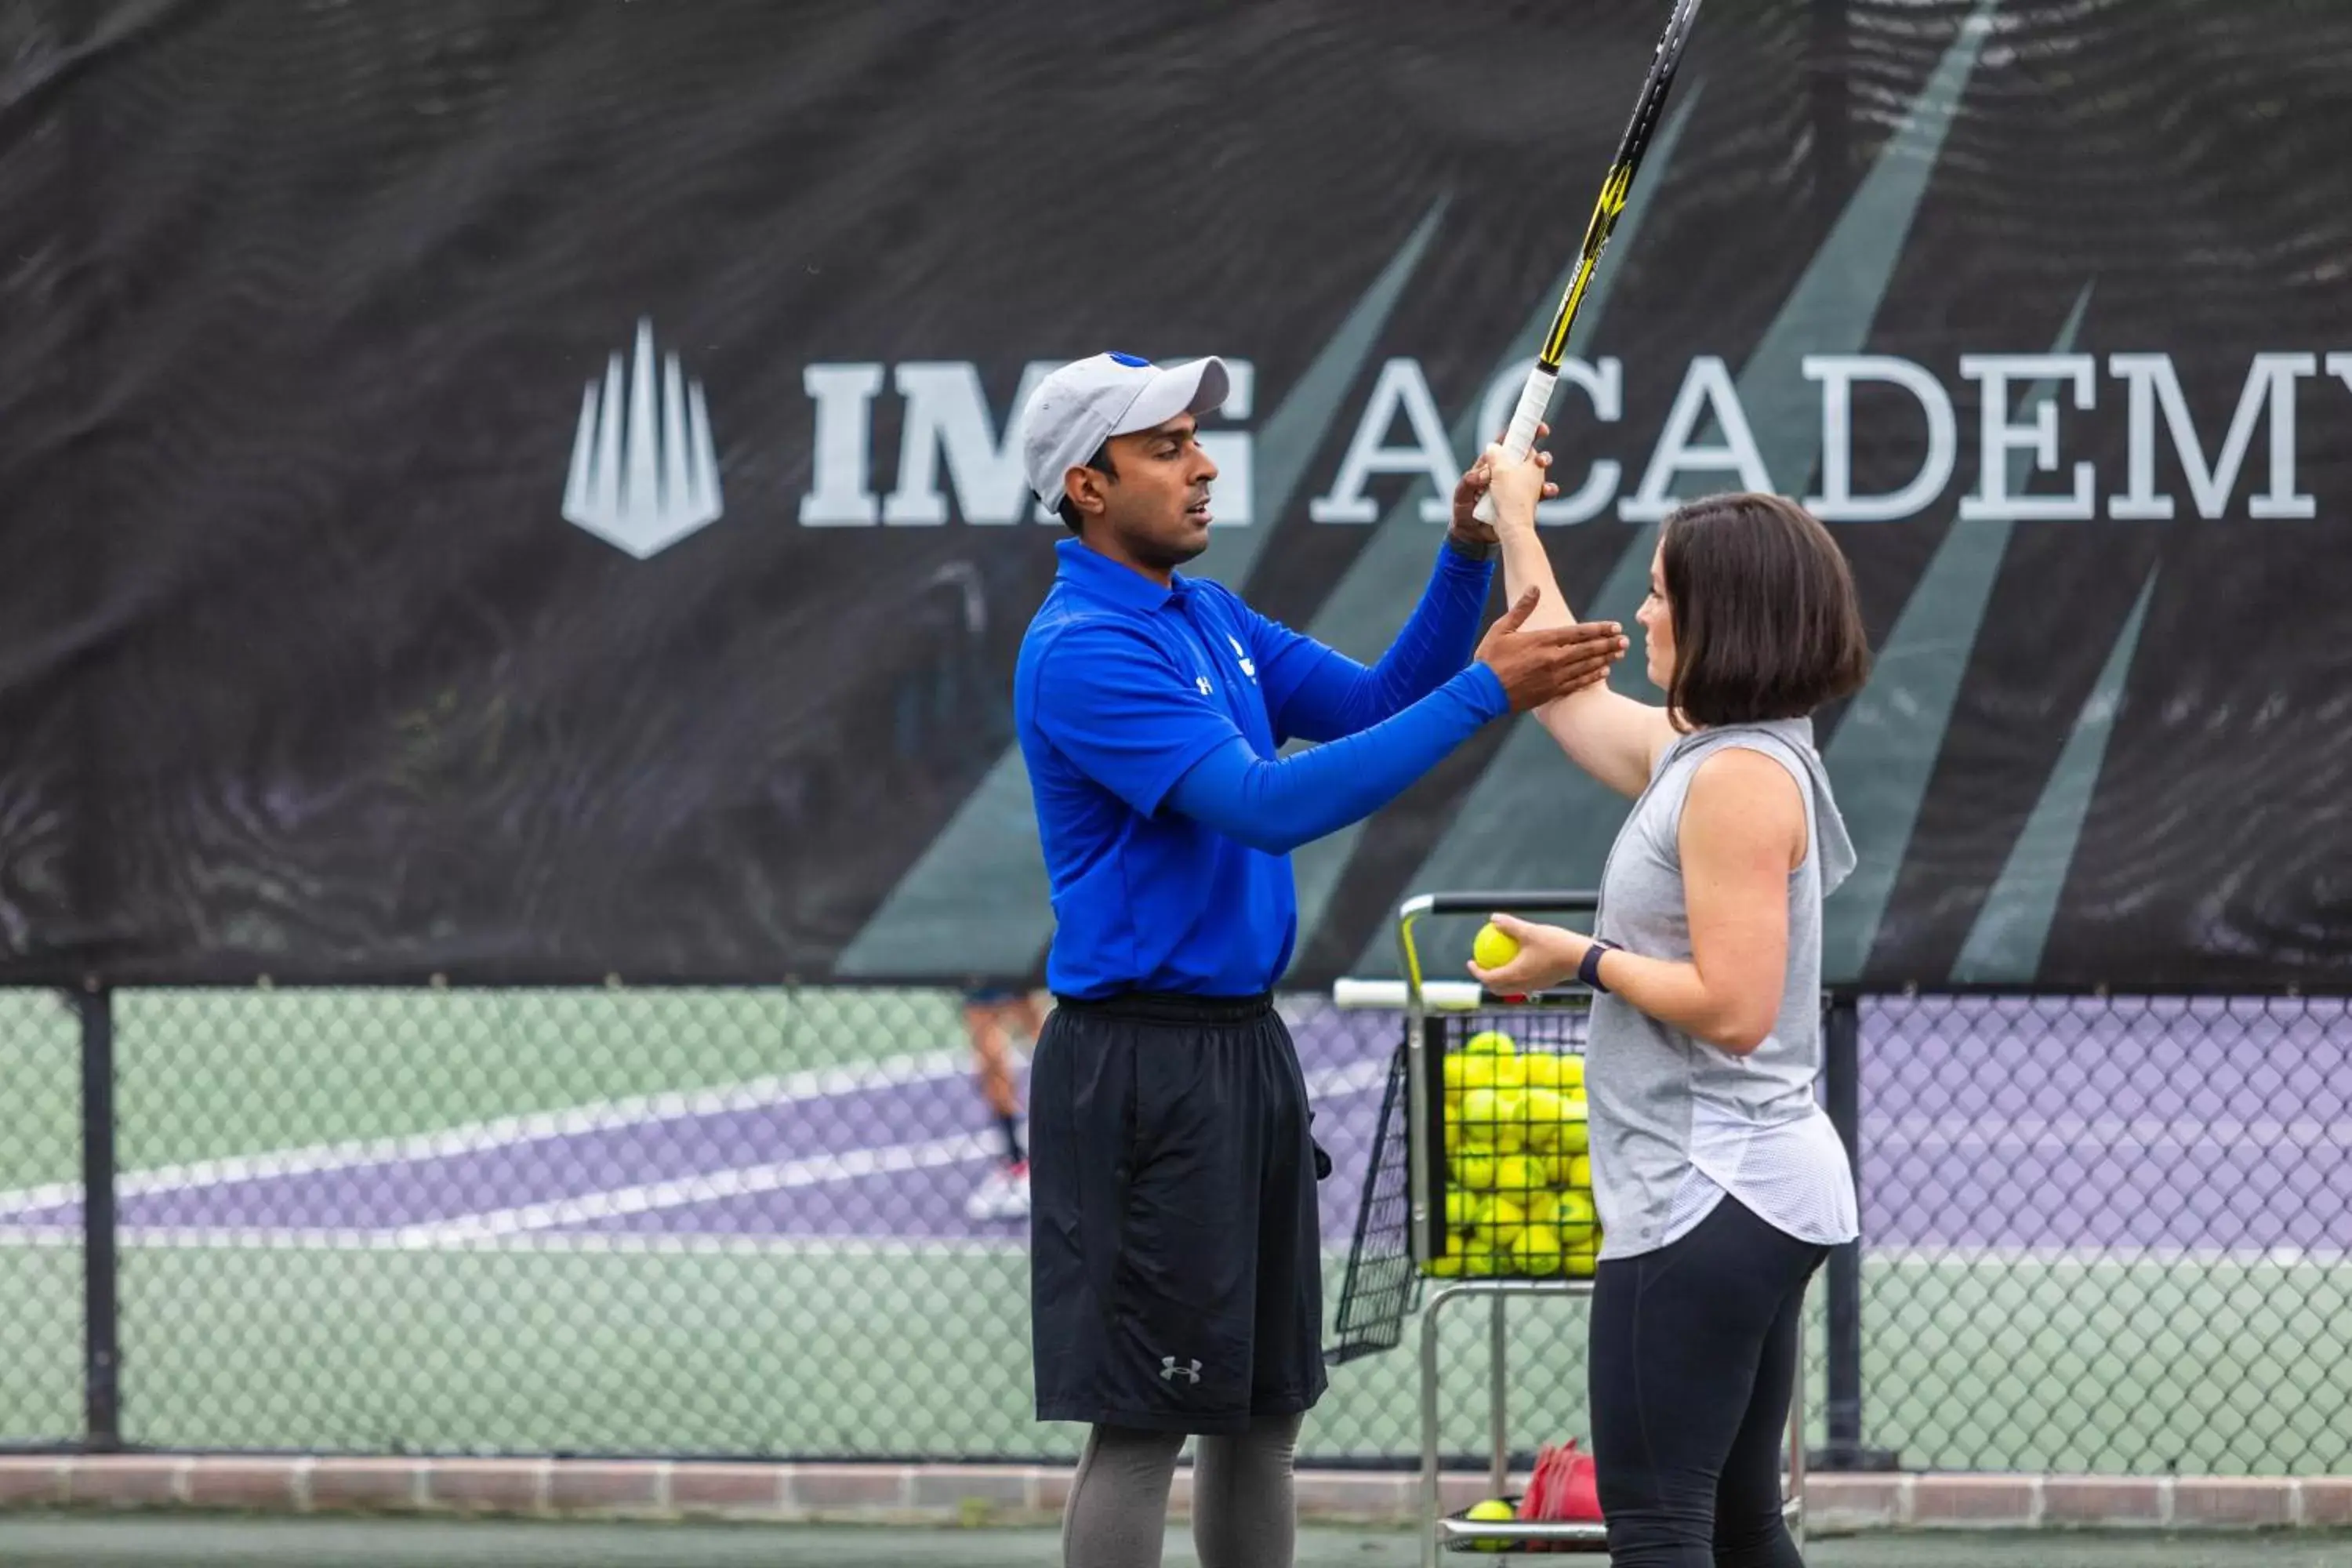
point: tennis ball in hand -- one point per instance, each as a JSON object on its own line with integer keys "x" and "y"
{"x": 1493, "y": 947}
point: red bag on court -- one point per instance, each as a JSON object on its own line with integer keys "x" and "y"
{"x": 1563, "y": 1491}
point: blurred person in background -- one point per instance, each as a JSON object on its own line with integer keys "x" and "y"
{"x": 990, "y": 1014}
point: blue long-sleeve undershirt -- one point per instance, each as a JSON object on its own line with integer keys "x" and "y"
{"x": 1277, "y": 806}
{"x": 1319, "y": 694}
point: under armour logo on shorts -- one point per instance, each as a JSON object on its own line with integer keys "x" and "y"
{"x": 1169, "y": 1371}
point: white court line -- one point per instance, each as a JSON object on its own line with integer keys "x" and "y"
{"x": 203, "y": 1237}
{"x": 494, "y": 1226}
{"x": 710, "y": 1187}
{"x": 678, "y": 1192}
{"x": 597, "y": 1116}
{"x": 557, "y": 1244}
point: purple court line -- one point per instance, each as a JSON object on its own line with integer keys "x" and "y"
{"x": 390, "y": 1193}
{"x": 1942, "y": 1082}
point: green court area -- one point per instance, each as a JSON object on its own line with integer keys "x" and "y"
{"x": 268, "y": 1301}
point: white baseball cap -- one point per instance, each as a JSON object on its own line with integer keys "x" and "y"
{"x": 1083, "y": 404}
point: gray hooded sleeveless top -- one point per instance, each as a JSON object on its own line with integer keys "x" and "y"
{"x": 1677, "y": 1122}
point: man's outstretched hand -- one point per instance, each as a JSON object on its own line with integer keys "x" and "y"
{"x": 1542, "y": 667}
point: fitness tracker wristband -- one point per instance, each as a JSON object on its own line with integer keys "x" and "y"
{"x": 1588, "y": 972}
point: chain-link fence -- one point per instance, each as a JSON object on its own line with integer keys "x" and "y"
{"x": 41, "y": 1275}
{"x": 2108, "y": 1233}
{"x": 2098, "y": 1232}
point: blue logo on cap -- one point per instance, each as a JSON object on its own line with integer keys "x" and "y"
{"x": 1130, "y": 359}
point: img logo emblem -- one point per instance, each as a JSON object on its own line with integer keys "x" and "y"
{"x": 1171, "y": 1369}
{"x": 643, "y": 473}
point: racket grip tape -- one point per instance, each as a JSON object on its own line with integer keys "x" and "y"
{"x": 1534, "y": 401}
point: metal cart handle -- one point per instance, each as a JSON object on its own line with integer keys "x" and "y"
{"x": 1510, "y": 903}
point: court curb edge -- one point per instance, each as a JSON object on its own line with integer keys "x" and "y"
{"x": 975, "y": 1495}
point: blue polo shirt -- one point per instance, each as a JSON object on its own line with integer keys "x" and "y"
{"x": 1123, "y": 687}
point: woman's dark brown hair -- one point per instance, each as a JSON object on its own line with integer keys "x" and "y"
{"x": 1766, "y": 624}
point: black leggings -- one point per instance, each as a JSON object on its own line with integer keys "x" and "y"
{"x": 1694, "y": 1358}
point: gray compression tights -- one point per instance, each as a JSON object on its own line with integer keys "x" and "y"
{"x": 1242, "y": 1512}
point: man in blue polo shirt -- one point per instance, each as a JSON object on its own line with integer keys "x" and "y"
{"x": 1175, "y": 1255}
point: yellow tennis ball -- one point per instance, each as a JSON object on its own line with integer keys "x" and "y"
{"x": 1477, "y": 1072}
{"x": 1540, "y": 1112}
{"x": 1450, "y": 1266}
{"x": 1490, "y": 1043}
{"x": 1497, "y": 1223}
{"x": 1573, "y": 1131}
{"x": 1582, "y": 1262}
{"x": 1493, "y": 947}
{"x": 1496, "y": 1208}
{"x": 1473, "y": 1167}
{"x": 1570, "y": 1172}
{"x": 1494, "y": 1511}
{"x": 1509, "y": 1133}
{"x": 1540, "y": 1070}
{"x": 1571, "y": 1071}
{"x": 1511, "y": 1072}
{"x": 1483, "y": 1115}
{"x": 1462, "y": 1207}
{"x": 1518, "y": 1174}
{"x": 1536, "y": 1252}
{"x": 1457, "y": 1071}
{"x": 1576, "y": 1220}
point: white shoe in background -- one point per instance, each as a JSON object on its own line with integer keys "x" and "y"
{"x": 1002, "y": 1194}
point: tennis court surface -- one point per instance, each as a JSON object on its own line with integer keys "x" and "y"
{"x": 732, "y": 1222}
{"x": 203, "y": 1544}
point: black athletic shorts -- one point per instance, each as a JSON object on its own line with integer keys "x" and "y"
{"x": 1175, "y": 1254}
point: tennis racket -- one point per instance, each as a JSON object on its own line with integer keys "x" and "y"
{"x": 1535, "y": 397}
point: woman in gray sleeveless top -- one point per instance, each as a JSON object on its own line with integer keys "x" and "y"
{"x": 1720, "y": 1183}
